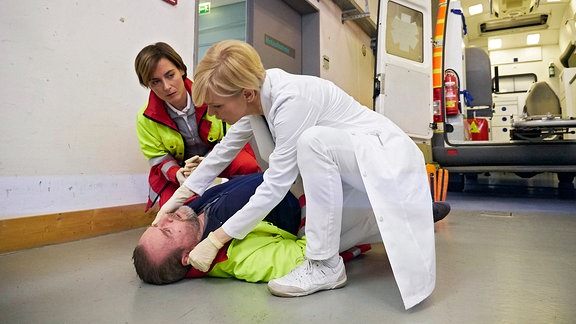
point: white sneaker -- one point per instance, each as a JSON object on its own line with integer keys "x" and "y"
{"x": 309, "y": 277}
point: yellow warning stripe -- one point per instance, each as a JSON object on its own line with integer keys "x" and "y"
{"x": 439, "y": 45}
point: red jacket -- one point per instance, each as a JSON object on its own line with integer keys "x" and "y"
{"x": 155, "y": 129}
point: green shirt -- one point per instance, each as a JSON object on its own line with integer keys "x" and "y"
{"x": 266, "y": 253}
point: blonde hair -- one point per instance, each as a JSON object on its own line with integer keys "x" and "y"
{"x": 228, "y": 67}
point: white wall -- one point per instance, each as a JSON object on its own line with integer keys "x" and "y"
{"x": 70, "y": 96}
{"x": 568, "y": 26}
{"x": 549, "y": 53}
{"x": 349, "y": 68}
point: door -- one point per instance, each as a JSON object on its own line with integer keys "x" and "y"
{"x": 286, "y": 34}
{"x": 276, "y": 33}
{"x": 225, "y": 19}
{"x": 404, "y": 66}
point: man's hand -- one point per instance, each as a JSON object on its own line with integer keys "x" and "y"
{"x": 203, "y": 254}
{"x": 178, "y": 199}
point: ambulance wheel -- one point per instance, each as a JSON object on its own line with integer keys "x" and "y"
{"x": 455, "y": 182}
{"x": 566, "y": 185}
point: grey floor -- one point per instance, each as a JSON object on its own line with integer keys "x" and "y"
{"x": 506, "y": 254}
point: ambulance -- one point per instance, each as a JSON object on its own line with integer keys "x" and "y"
{"x": 482, "y": 86}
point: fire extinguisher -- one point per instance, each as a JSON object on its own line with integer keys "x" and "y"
{"x": 451, "y": 92}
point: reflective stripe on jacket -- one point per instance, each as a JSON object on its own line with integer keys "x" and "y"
{"x": 162, "y": 144}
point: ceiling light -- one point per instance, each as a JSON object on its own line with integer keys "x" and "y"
{"x": 532, "y": 39}
{"x": 494, "y": 43}
{"x": 515, "y": 22}
{"x": 475, "y": 9}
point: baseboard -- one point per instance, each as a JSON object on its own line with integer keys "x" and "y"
{"x": 28, "y": 232}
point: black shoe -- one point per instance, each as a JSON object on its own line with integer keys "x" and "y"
{"x": 440, "y": 210}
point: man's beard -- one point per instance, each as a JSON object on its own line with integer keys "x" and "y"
{"x": 185, "y": 214}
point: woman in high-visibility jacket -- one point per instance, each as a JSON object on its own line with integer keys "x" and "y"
{"x": 174, "y": 133}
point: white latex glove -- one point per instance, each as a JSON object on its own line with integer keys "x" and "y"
{"x": 178, "y": 199}
{"x": 191, "y": 164}
{"x": 202, "y": 256}
{"x": 180, "y": 176}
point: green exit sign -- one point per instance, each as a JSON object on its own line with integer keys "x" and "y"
{"x": 204, "y": 8}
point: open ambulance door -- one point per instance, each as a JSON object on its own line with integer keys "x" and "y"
{"x": 403, "y": 70}
{"x": 458, "y": 144}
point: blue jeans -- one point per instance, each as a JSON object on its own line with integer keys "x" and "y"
{"x": 220, "y": 202}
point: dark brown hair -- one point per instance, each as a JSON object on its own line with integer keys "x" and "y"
{"x": 168, "y": 271}
{"x": 148, "y": 58}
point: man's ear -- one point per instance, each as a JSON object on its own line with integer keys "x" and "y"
{"x": 185, "y": 258}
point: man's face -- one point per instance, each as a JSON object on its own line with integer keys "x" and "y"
{"x": 180, "y": 229}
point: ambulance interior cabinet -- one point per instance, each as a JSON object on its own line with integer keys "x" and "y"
{"x": 504, "y": 110}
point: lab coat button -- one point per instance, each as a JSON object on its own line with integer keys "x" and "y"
{"x": 380, "y": 219}
{"x": 364, "y": 174}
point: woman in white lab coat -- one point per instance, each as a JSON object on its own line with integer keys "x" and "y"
{"x": 364, "y": 179}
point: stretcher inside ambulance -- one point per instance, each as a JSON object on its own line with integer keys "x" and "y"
{"x": 498, "y": 104}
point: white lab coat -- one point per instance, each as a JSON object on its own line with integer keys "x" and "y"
{"x": 393, "y": 171}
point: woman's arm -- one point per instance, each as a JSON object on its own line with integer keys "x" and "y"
{"x": 220, "y": 157}
{"x": 287, "y": 120}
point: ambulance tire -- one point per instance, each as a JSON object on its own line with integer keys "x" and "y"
{"x": 566, "y": 185}
{"x": 456, "y": 182}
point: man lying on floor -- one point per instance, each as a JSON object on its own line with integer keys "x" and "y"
{"x": 270, "y": 251}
